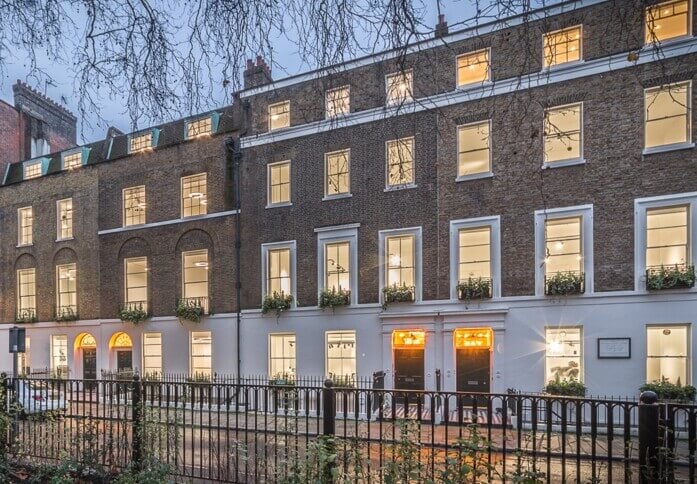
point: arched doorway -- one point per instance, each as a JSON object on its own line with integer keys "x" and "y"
{"x": 86, "y": 353}
{"x": 122, "y": 347}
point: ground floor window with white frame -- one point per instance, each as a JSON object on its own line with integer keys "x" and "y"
{"x": 23, "y": 359}
{"x": 282, "y": 356}
{"x": 341, "y": 356}
{"x": 152, "y": 354}
{"x": 201, "y": 354}
{"x": 59, "y": 355}
{"x": 564, "y": 354}
{"x": 667, "y": 356}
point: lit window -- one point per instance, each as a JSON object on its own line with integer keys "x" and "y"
{"x": 72, "y": 160}
{"x": 65, "y": 219}
{"x": 563, "y": 134}
{"x": 400, "y": 162}
{"x": 194, "y": 195}
{"x": 201, "y": 354}
{"x": 282, "y": 356}
{"x": 667, "y": 115}
{"x": 279, "y": 272}
{"x": 473, "y": 67}
{"x": 667, "y": 20}
{"x": 279, "y": 115}
{"x": 341, "y": 356}
{"x": 337, "y": 166}
{"x": 136, "y": 283}
{"x": 24, "y": 359}
{"x": 564, "y": 355}
{"x": 399, "y": 87}
{"x": 32, "y": 170}
{"x": 26, "y": 226}
{"x": 667, "y": 237}
{"x": 152, "y": 354}
{"x": 134, "y": 206}
{"x": 338, "y": 101}
{"x": 140, "y": 142}
{"x": 199, "y": 127}
{"x": 400, "y": 261}
{"x": 563, "y": 248}
{"x": 411, "y": 339}
{"x": 195, "y": 278}
{"x": 473, "y": 149}
{"x": 279, "y": 183}
{"x": 26, "y": 295}
{"x": 66, "y": 295}
{"x": 474, "y": 258}
{"x": 562, "y": 46}
{"x": 337, "y": 266}
{"x": 59, "y": 355}
{"x": 667, "y": 354}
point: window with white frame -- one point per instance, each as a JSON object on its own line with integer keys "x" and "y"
{"x": 337, "y": 259}
{"x": 194, "y": 195}
{"x": 72, "y": 160}
{"x": 341, "y": 356}
{"x": 195, "y": 278}
{"x": 24, "y": 359}
{"x": 400, "y": 162}
{"x": 282, "y": 356}
{"x": 134, "y": 206}
{"x": 338, "y": 101}
{"x": 337, "y": 266}
{"x": 667, "y": 356}
{"x": 32, "y": 170}
{"x": 66, "y": 294}
{"x": 136, "y": 283}
{"x": 59, "y": 355}
{"x": 278, "y": 279}
{"x": 400, "y": 261}
{"x": 201, "y": 354}
{"x": 562, "y": 46}
{"x": 563, "y": 246}
{"x": 473, "y": 149}
{"x": 152, "y": 354}
{"x": 667, "y": 237}
{"x": 65, "y": 219}
{"x": 140, "y": 142}
{"x": 279, "y": 115}
{"x": 667, "y": 20}
{"x": 667, "y": 115}
{"x": 474, "y": 253}
{"x": 278, "y": 175}
{"x": 26, "y": 226}
{"x": 26, "y": 294}
{"x": 564, "y": 354}
{"x": 399, "y": 87}
{"x": 563, "y": 133}
{"x": 337, "y": 173}
{"x": 473, "y": 68}
{"x": 199, "y": 127}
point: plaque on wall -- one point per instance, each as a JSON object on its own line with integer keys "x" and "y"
{"x": 614, "y": 348}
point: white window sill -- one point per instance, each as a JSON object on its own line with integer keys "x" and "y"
{"x": 279, "y": 205}
{"x": 65, "y": 239}
{"x": 563, "y": 163}
{"x": 667, "y": 148}
{"x": 475, "y": 176}
{"x": 562, "y": 66}
{"x": 19, "y": 246}
{"x": 193, "y": 217}
{"x": 663, "y": 43}
{"x": 464, "y": 87}
{"x": 274, "y": 130}
{"x": 133, "y": 225}
{"x": 336, "y": 197}
{"x": 394, "y": 188}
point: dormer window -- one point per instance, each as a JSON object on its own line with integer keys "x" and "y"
{"x": 75, "y": 158}
{"x": 279, "y": 115}
{"x": 32, "y": 170}
{"x": 667, "y": 20}
{"x": 562, "y": 46}
{"x": 143, "y": 141}
{"x": 204, "y": 126}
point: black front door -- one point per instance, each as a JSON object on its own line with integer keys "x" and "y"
{"x": 473, "y": 370}
{"x": 124, "y": 360}
{"x": 89, "y": 363}
{"x": 409, "y": 369}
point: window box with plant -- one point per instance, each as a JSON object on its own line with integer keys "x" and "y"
{"x": 191, "y": 309}
{"x": 27, "y": 315}
{"x": 277, "y": 302}
{"x": 665, "y": 390}
{"x": 331, "y": 298}
{"x": 343, "y": 381}
{"x": 566, "y": 387}
{"x": 66, "y": 314}
{"x": 474, "y": 288}
{"x": 670, "y": 277}
{"x": 565, "y": 284}
{"x": 397, "y": 294}
{"x": 134, "y": 312}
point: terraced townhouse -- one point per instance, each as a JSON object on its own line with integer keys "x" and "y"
{"x": 492, "y": 208}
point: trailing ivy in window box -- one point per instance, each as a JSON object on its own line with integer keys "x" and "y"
{"x": 570, "y": 387}
{"x": 190, "y": 309}
{"x": 331, "y": 298}
{"x": 395, "y": 293}
{"x": 133, "y": 313}
{"x": 474, "y": 288}
{"x": 666, "y": 390}
{"x": 277, "y": 302}
{"x": 66, "y": 314}
{"x": 25, "y": 316}
{"x": 670, "y": 277}
{"x": 565, "y": 284}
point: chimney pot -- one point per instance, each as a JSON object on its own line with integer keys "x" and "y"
{"x": 441, "y": 27}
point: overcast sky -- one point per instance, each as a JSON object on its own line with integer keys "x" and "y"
{"x": 113, "y": 110}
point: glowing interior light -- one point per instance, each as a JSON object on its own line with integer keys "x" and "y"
{"x": 274, "y": 117}
{"x": 201, "y": 264}
{"x": 555, "y": 347}
{"x": 195, "y": 195}
{"x": 395, "y": 260}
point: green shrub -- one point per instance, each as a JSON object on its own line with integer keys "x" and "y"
{"x": 190, "y": 310}
{"x": 395, "y": 293}
{"x": 66, "y": 314}
{"x": 25, "y": 316}
{"x": 564, "y": 284}
{"x": 132, "y": 313}
{"x": 474, "y": 288}
{"x": 666, "y": 390}
{"x": 331, "y": 298}
{"x": 567, "y": 387}
{"x": 671, "y": 277}
{"x": 277, "y": 302}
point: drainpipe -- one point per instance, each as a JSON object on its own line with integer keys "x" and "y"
{"x": 234, "y": 154}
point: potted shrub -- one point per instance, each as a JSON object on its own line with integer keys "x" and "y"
{"x": 567, "y": 387}
{"x": 395, "y": 293}
{"x": 277, "y": 302}
{"x": 66, "y": 314}
{"x": 331, "y": 298}
{"x": 25, "y": 316}
{"x": 474, "y": 288}
{"x": 564, "y": 284}
{"x": 190, "y": 310}
{"x": 133, "y": 313}
{"x": 666, "y": 390}
{"x": 283, "y": 388}
{"x": 670, "y": 277}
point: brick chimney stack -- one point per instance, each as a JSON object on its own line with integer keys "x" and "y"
{"x": 441, "y": 27}
{"x": 257, "y": 74}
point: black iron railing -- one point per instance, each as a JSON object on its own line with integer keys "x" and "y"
{"x": 194, "y": 303}
{"x": 66, "y": 313}
{"x": 25, "y": 315}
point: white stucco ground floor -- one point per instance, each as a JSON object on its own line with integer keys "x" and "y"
{"x": 612, "y": 342}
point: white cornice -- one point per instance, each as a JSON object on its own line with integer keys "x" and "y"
{"x": 538, "y": 79}
{"x": 168, "y": 222}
